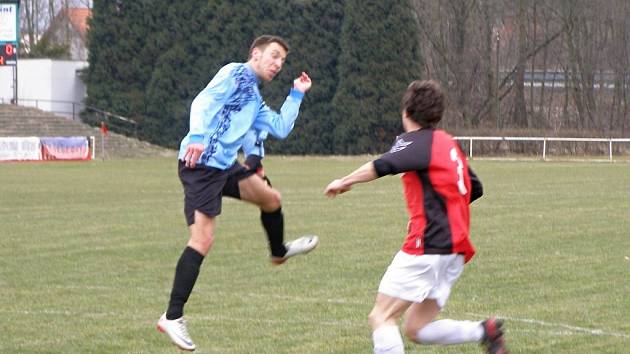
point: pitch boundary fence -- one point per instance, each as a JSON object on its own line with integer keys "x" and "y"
{"x": 544, "y": 141}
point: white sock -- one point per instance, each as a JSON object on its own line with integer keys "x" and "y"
{"x": 387, "y": 340}
{"x": 450, "y": 332}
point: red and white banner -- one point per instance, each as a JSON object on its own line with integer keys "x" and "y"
{"x": 17, "y": 149}
{"x": 70, "y": 148}
{"x": 37, "y": 149}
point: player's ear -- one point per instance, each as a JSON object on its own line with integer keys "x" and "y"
{"x": 256, "y": 52}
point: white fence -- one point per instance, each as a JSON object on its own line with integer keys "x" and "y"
{"x": 544, "y": 141}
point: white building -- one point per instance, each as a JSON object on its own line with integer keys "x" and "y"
{"x": 70, "y": 28}
{"x": 50, "y": 85}
{"x": 53, "y": 85}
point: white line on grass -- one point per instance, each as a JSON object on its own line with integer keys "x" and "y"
{"x": 574, "y": 329}
{"x": 565, "y": 327}
{"x": 308, "y": 299}
{"x": 206, "y": 317}
{"x": 568, "y": 329}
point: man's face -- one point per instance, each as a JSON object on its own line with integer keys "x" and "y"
{"x": 268, "y": 62}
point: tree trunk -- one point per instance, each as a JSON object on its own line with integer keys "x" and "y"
{"x": 519, "y": 116}
{"x": 459, "y": 69}
{"x": 541, "y": 101}
{"x": 532, "y": 114}
{"x": 488, "y": 44}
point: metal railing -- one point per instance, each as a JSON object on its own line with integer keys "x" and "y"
{"x": 74, "y": 111}
{"x": 118, "y": 122}
{"x": 68, "y": 109}
{"x": 544, "y": 141}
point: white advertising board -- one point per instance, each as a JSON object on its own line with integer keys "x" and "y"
{"x": 8, "y": 23}
{"x": 20, "y": 149}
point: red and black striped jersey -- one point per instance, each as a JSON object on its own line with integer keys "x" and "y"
{"x": 439, "y": 186}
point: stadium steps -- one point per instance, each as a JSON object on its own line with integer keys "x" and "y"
{"x": 17, "y": 121}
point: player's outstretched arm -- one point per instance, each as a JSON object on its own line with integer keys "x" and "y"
{"x": 280, "y": 125}
{"x": 365, "y": 173}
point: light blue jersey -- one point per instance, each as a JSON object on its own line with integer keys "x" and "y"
{"x": 253, "y": 143}
{"x": 230, "y": 106}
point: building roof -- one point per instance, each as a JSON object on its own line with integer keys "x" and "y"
{"x": 70, "y": 28}
{"x": 78, "y": 18}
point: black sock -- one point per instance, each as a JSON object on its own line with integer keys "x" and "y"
{"x": 274, "y": 227}
{"x": 186, "y": 274}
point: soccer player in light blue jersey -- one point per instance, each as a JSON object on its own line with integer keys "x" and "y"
{"x": 221, "y": 115}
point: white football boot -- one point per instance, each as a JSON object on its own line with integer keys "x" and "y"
{"x": 302, "y": 245}
{"x": 177, "y": 331}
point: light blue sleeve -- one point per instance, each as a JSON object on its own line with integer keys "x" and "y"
{"x": 280, "y": 124}
{"x": 209, "y": 102}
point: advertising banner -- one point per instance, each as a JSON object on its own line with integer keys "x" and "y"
{"x": 8, "y": 22}
{"x": 38, "y": 149}
{"x": 66, "y": 148}
{"x": 18, "y": 149}
{"x": 9, "y": 32}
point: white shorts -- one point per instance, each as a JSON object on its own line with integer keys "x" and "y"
{"x": 416, "y": 278}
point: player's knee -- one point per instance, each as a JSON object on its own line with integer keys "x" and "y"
{"x": 276, "y": 198}
{"x": 273, "y": 202}
{"x": 202, "y": 241}
{"x": 375, "y": 319}
{"x": 411, "y": 332}
{"x": 206, "y": 241}
{"x": 209, "y": 241}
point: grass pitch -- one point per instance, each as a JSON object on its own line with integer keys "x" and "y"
{"x": 88, "y": 251}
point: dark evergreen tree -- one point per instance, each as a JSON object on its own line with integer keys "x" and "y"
{"x": 312, "y": 29}
{"x": 104, "y": 33}
{"x": 149, "y": 59}
{"x": 122, "y": 55}
{"x": 379, "y": 58}
{"x": 176, "y": 76}
{"x": 208, "y": 36}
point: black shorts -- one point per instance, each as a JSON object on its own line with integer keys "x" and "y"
{"x": 237, "y": 174}
{"x": 205, "y": 186}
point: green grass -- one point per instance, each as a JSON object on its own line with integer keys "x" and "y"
{"x": 88, "y": 250}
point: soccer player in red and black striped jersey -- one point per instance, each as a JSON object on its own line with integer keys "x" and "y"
{"x": 438, "y": 186}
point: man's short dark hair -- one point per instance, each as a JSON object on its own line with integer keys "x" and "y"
{"x": 424, "y": 102}
{"x": 263, "y": 41}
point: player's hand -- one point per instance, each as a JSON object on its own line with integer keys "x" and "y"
{"x": 336, "y": 187}
{"x": 302, "y": 83}
{"x": 193, "y": 151}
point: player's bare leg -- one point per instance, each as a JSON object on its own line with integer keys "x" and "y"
{"x": 202, "y": 233}
{"x": 255, "y": 190}
{"x": 419, "y": 315}
{"x": 384, "y": 322}
{"x": 201, "y": 239}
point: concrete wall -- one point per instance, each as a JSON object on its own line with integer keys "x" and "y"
{"x": 50, "y": 85}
